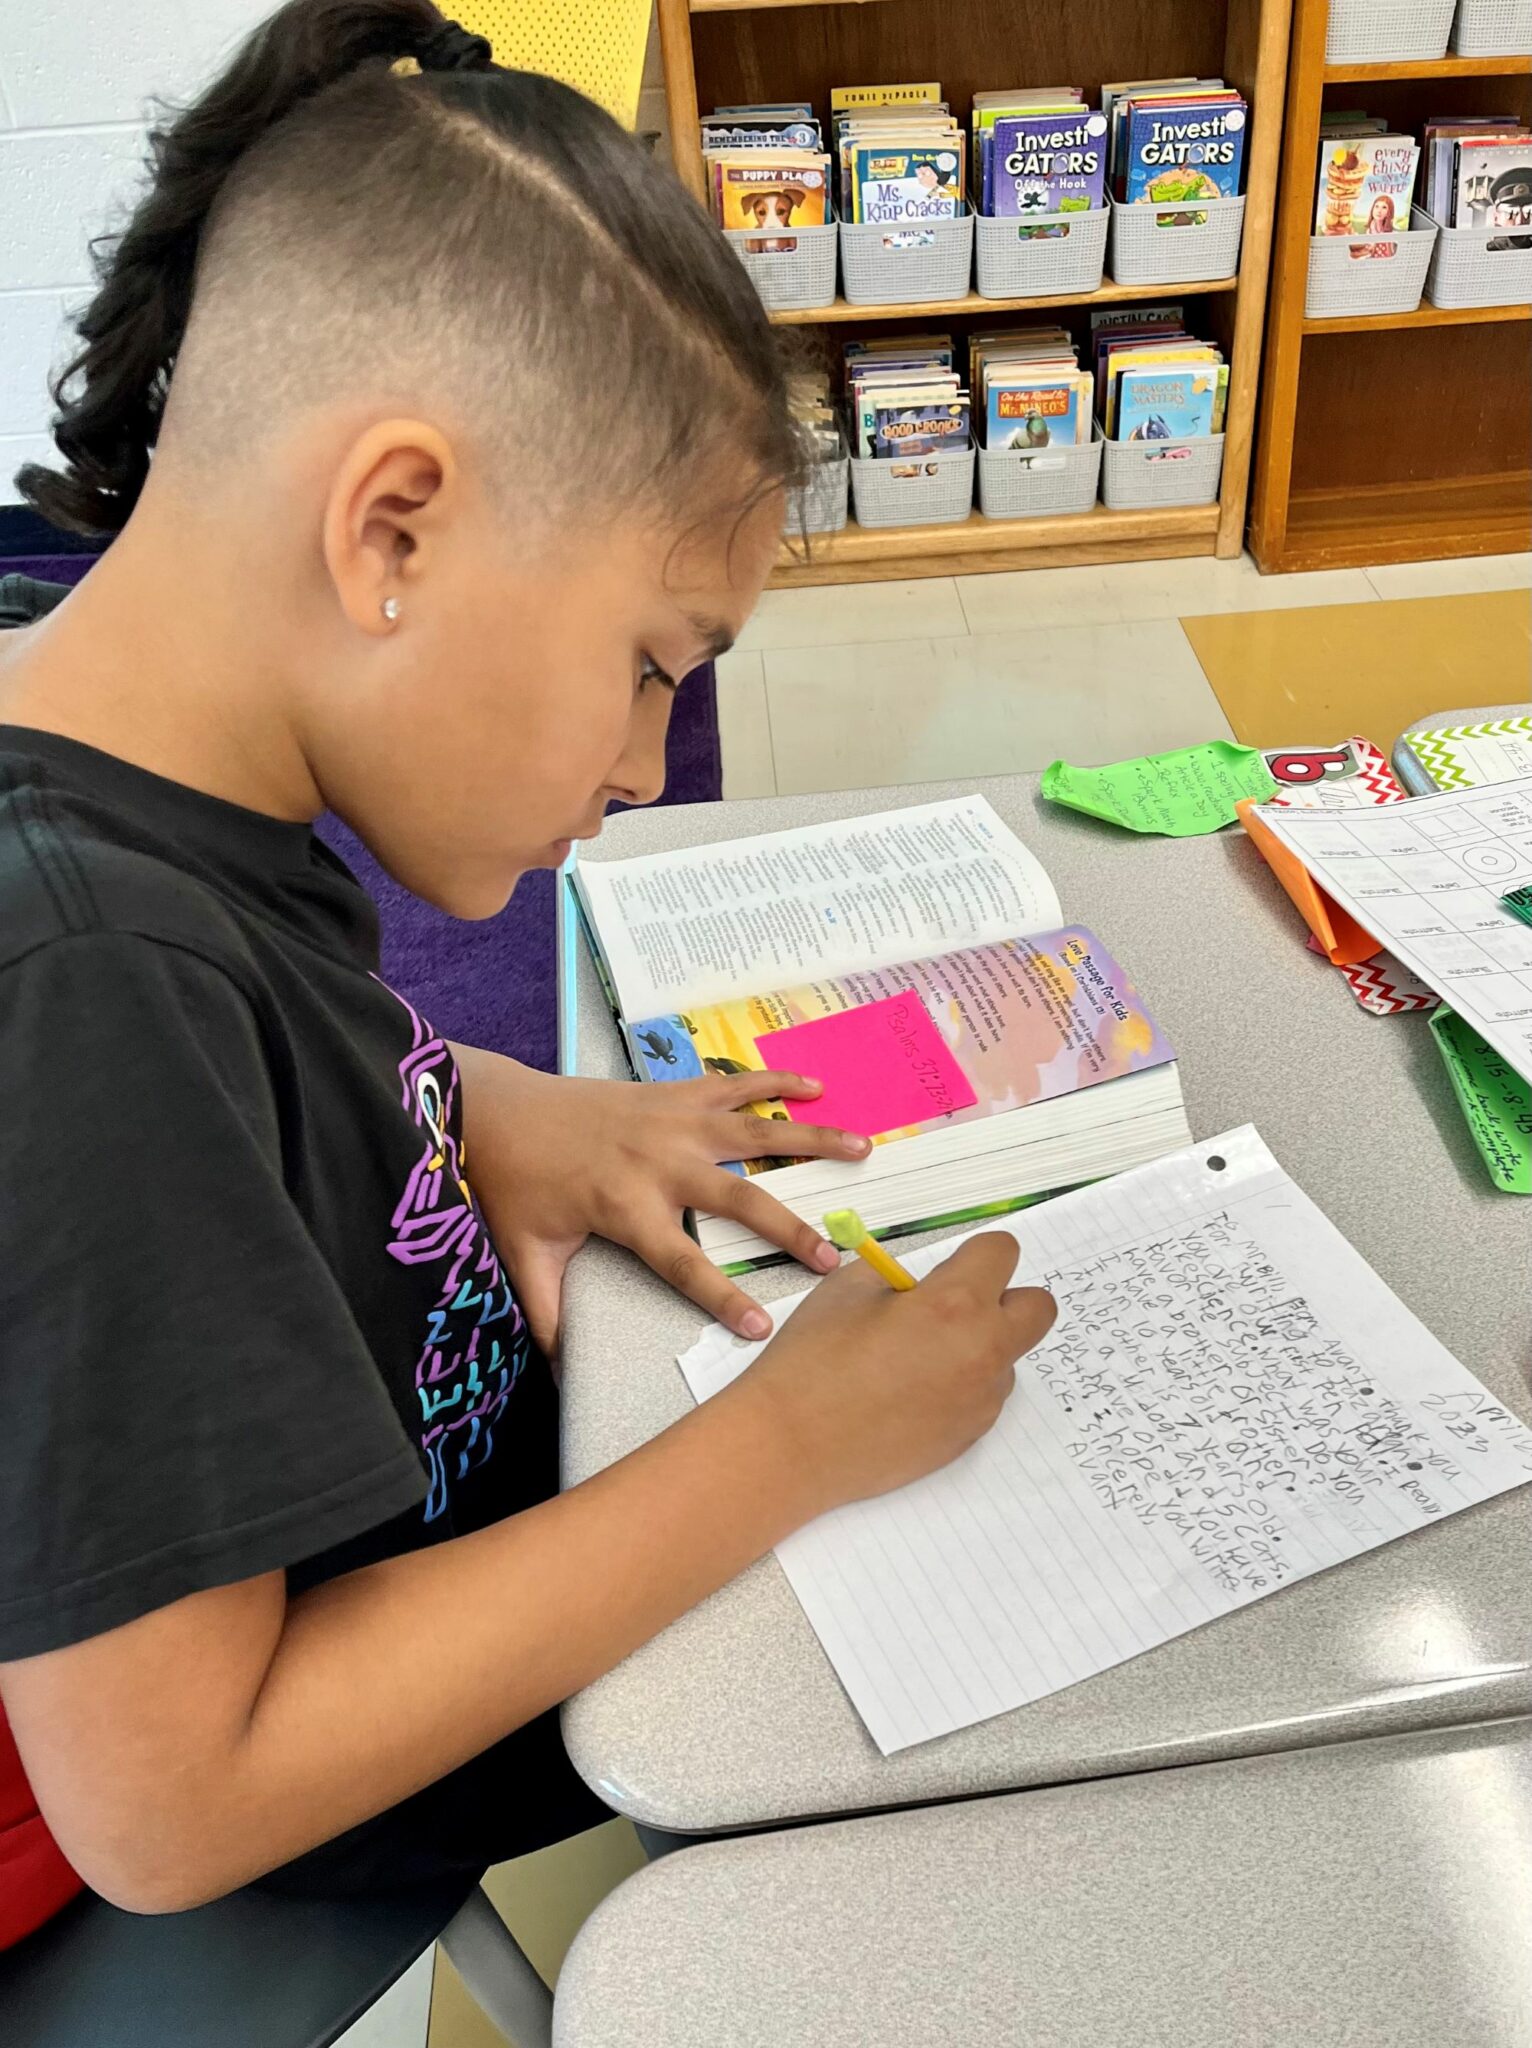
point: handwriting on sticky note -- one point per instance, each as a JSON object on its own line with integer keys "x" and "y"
{"x": 1493, "y": 1097}
{"x": 1179, "y": 795}
{"x": 884, "y": 1066}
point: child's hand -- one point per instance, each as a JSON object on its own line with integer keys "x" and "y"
{"x": 871, "y": 1388}
{"x": 554, "y": 1161}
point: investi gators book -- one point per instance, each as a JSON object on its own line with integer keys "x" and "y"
{"x": 1048, "y": 163}
{"x": 1177, "y": 152}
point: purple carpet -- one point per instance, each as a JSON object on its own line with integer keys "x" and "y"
{"x": 492, "y": 984}
{"x": 495, "y": 983}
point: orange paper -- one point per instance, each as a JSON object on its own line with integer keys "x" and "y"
{"x": 1340, "y": 937}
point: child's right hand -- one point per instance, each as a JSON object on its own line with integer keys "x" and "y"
{"x": 867, "y": 1388}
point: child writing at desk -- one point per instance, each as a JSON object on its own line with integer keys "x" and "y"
{"x": 439, "y": 433}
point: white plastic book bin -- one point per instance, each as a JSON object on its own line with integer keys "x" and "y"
{"x": 903, "y": 266}
{"x": 1176, "y": 244}
{"x": 1466, "y": 271}
{"x": 1011, "y": 262}
{"x": 1149, "y": 473}
{"x": 1014, "y": 484}
{"x": 913, "y": 490}
{"x": 1369, "y": 273}
{"x": 799, "y": 276}
{"x": 1387, "y": 31}
{"x": 819, "y": 506}
{"x": 1493, "y": 28}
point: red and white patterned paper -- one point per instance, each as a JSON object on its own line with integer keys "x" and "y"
{"x": 1383, "y": 984}
{"x": 1351, "y": 776}
{"x": 1348, "y": 777}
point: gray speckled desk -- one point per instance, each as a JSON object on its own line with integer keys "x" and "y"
{"x": 1375, "y": 1894}
{"x": 733, "y": 1717}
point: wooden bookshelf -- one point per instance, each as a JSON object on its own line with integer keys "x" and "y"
{"x": 1386, "y": 437}
{"x": 971, "y": 303}
{"x": 1435, "y": 67}
{"x": 722, "y": 51}
{"x": 863, "y": 554}
{"x": 1424, "y": 315}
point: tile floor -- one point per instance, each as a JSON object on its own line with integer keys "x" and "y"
{"x": 889, "y": 682}
{"x": 863, "y": 684}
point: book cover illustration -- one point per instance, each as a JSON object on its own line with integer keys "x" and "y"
{"x": 1027, "y": 417}
{"x": 1494, "y": 190}
{"x": 760, "y": 134}
{"x": 911, "y": 184}
{"x": 1165, "y": 405}
{"x": 1026, "y": 1020}
{"x": 1047, "y": 163}
{"x": 926, "y": 429}
{"x": 1177, "y": 155}
{"x": 1365, "y": 185}
{"x": 771, "y": 198}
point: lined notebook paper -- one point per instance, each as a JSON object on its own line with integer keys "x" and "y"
{"x": 1230, "y": 1401}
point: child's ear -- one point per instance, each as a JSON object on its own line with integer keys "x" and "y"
{"x": 385, "y": 509}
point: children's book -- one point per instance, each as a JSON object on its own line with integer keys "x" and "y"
{"x": 893, "y": 182}
{"x": 1047, "y": 163}
{"x": 916, "y": 961}
{"x": 1493, "y": 188}
{"x": 759, "y": 131}
{"x": 1023, "y": 412}
{"x": 849, "y": 98}
{"x": 1166, "y": 404}
{"x": 1177, "y": 151}
{"x": 909, "y": 424}
{"x": 772, "y": 191}
{"x": 1365, "y": 184}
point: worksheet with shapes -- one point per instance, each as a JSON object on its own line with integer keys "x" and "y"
{"x": 1425, "y": 879}
{"x": 1231, "y": 1400}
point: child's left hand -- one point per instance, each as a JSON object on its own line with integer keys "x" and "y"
{"x": 554, "y": 1161}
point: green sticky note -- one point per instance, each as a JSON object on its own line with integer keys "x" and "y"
{"x": 1494, "y": 1098}
{"x": 1180, "y": 795}
{"x": 1519, "y": 902}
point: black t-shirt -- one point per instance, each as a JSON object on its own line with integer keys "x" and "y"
{"x": 250, "y": 1315}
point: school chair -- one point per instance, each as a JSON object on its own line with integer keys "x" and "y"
{"x": 597, "y": 46}
{"x": 256, "y": 1971}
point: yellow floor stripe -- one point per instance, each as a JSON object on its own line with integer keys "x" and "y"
{"x": 1315, "y": 675}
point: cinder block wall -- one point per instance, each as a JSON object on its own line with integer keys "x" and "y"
{"x": 76, "y": 77}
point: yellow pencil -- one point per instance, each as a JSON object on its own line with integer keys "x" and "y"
{"x": 846, "y": 1230}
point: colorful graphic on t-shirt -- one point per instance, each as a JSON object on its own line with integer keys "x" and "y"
{"x": 464, "y": 1374}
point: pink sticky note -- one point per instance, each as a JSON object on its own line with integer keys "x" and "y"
{"x": 884, "y": 1065}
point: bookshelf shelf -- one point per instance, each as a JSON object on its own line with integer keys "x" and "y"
{"x": 1425, "y": 315}
{"x": 1439, "y": 67}
{"x": 1386, "y": 437}
{"x": 722, "y": 52}
{"x": 1109, "y": 294}
{"x": 980, "y": 543}
{"x": 744, "y": 6}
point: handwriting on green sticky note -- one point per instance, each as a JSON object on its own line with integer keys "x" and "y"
{"x": 1494, "y": 1098}
{"x": 1180, "y": 795}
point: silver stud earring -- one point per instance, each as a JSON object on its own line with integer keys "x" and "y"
{"x": 390, "y": 609}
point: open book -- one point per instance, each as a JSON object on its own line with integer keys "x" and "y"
{"x": 918, "y": 962}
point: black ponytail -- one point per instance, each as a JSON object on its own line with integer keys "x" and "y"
{"x": 112, "y": 394}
